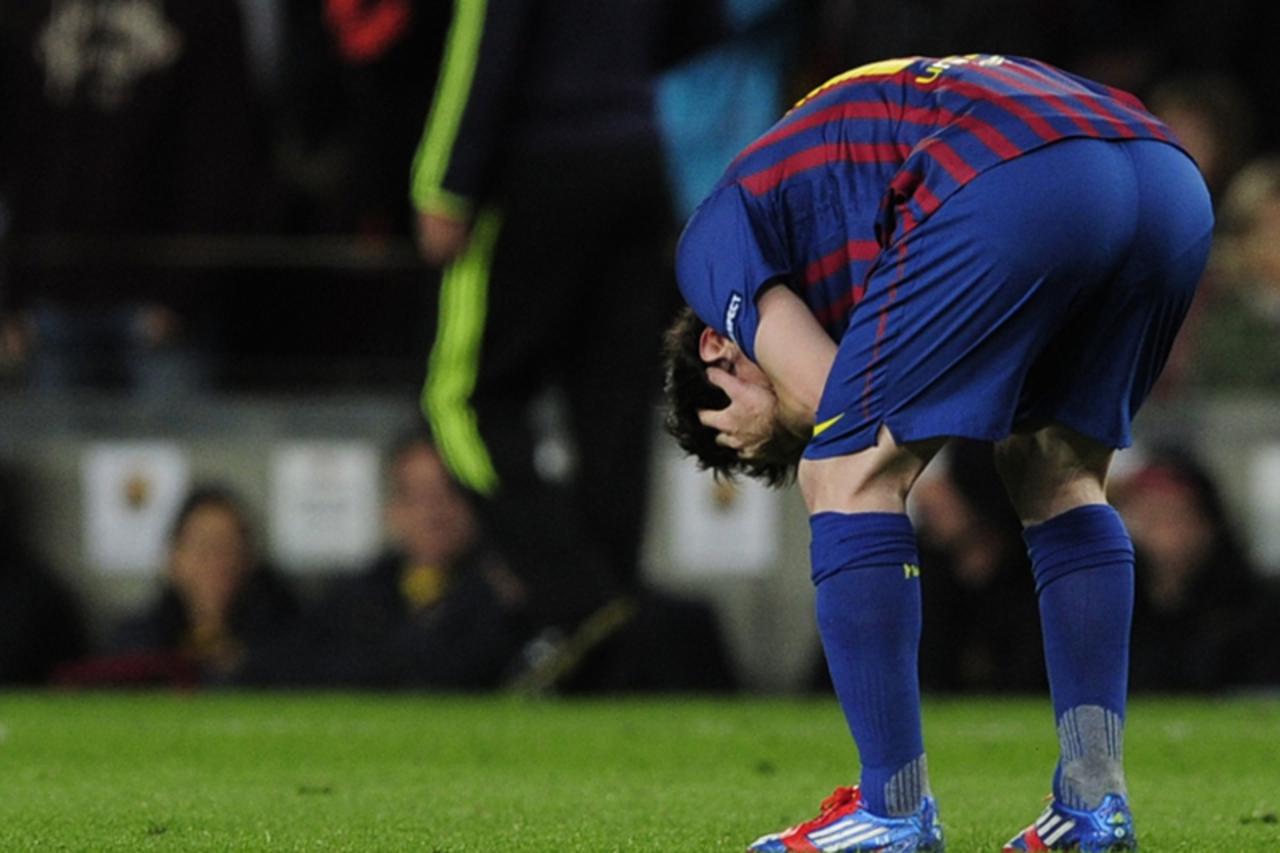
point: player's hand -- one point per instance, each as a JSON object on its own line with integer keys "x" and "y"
{"x": 441, "y": 239}
{"x": 749, "y": 421}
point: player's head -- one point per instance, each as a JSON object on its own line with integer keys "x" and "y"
{"x": 689, "y": 349}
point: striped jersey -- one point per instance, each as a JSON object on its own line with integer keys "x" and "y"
{"x": 861, "y": 161}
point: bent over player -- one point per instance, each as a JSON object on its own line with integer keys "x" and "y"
{"x": 976, "y": 246}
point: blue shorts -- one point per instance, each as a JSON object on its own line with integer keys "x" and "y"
{"x": 1049, "y": 289}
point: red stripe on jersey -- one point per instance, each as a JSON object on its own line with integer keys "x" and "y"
{"x": 839, "y": 112}
{"x": 854, "y": 250}
{"x": 1084, "y": 95}
{"x": 908, "y": 221}
{"x": 1132, "y": 107}
{"x": 1076, "y": 117}
{"x": 924, "y": 197}
{"x": 882, "y": 326}
{"x": 1139, "y": 114}
{"x": 836, "y": 311}
{"x": 1129, "y": 99}
{"x": 1029, "y": 117}
{"x": 945, "y": 156}
{"x": 986, "y": 133}
{"x": 761, "y": 182}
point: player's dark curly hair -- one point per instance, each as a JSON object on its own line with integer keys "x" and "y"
{"x": 687, "y": 390}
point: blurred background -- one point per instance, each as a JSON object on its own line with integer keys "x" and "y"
{"x": 216, "y": 312}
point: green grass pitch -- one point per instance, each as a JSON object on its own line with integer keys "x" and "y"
{"x": 165, "y": 772}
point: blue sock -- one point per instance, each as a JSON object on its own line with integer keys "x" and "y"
{"x": 866, "y": 571}
{"x": 1083, "y": 564}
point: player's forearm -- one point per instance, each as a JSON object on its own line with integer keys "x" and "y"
{"x": 795, "y": 353}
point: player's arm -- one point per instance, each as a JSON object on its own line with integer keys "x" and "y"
{"x": 795, "y": 353}
{"x": 796, "y": 356}
{"x": 466, "y": 119}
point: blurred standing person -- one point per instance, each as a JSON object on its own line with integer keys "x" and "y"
{"x": 119, "y": 119}
{"x": 540, "y": 186}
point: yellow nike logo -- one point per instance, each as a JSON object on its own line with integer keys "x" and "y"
{"x": 910, "y": 570}
{"x": 819, "y": 429}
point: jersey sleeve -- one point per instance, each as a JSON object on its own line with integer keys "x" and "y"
{"x": 478, "y": 71}
{"x": 728, "y": 255}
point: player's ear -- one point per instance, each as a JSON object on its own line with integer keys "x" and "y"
{"x": 713, "y": 346}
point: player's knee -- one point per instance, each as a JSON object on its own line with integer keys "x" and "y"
{"x": 812, "y": 478}
{"x": 1051, "y": 471}
{"x": 877, "y": 479}
{"x": 841, "y": 484}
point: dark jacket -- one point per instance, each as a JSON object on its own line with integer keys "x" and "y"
{"x": 263, "y": 610}
{"x": 366, "y": 632}
{"x": 527, "y": 78}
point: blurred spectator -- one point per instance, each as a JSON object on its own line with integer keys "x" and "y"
{"x": 218, "y": 600}
{"x": 1239, "y": 327}
{"x": 1213, "y": 120}
{"x": 40, "y": 623}
{"x": 981, "y": 624}
{"x": 1202, "y": 617}
{"x": 264, "y": 35}
{"x": 119, "y": 119}
{"x": 389, "y": 51}
{"x": 311, "y": 137}
{"x": 717, "y": 103}
{"x": 437, "y": 609}
{"x": 540, "y": 186}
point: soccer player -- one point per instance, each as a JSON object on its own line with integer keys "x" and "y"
{"x": 977, "y": 246}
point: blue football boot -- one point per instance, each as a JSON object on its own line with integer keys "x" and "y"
{"x": 844, "y": 826}
{"x": 1107, "y": 828}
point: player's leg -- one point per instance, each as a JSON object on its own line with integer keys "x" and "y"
{"x": 502, "y": 309}
{"x": 954, "y": 314}
{"x": 1088, "y": 384}
{"x": 1083, "y": 564}
{"x": 1051, "y": 470}
{"x": 866, "y": 572}
{"x": 610, "y": 378}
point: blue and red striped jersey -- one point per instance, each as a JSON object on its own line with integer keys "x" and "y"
{"x": 865, "y": 158}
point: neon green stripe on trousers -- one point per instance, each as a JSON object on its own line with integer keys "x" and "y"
{"x": 457, "y": 71}
{"x": 455, "y": 360}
